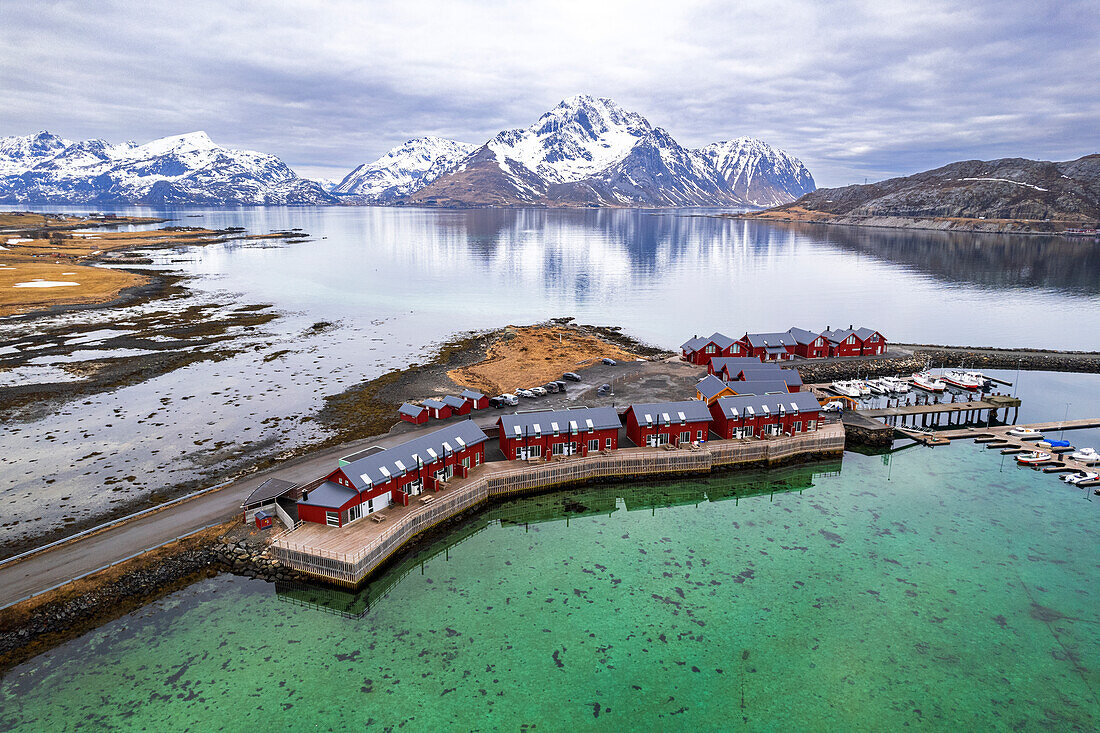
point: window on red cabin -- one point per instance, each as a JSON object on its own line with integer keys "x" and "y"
{"x": 710, "y": 348}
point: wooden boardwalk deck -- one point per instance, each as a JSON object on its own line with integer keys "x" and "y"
{"x": 348, "y": 554}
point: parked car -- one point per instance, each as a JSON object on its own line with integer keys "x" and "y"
{"x": 603, "y": 389}
{"x": 571, "y": 376}
{"x": 609, "y": 361}
{"x": 561, "y": 385}
{"x": 539, "y": 391}
{"x": 833, "y": 407}
{"x": 552, "y": 387}
{"x": 497, "y": 402}
{"x": 509, "y": 399}
{"x": 525, "y": 393}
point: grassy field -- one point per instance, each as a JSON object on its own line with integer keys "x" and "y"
{"x": 43, "y": 248}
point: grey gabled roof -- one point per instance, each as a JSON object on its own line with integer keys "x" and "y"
{"x": 602, "y": 418}
{"x": 722, "y": 340}
{"x": 770, "y": 339}
{"x": 435, "y": 404}
{"x": 761, "y": 370}
{"x": 759, "y": 386}
{"x": 709, "y": 386}
{"x": 773, "y": 372}
{"x": 373, "y": 469}
{"x": 802, "y": 336}
{"x": 329, "y": 495}
{"x": 454, "y": 401}
{"x": 695, "y": 343}
{"x": 471, "y": 394}
{"x": 270, "y": 489}
{"x": 800, "y": 401}
{"x": 692, "y": 410}
{"x": 864, "y": 333}
{"x": 735, "y": 363}
{"x": 837, "y": 335}
{"x": 410, "y": 409}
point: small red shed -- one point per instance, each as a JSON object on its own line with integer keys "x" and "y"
{"x": 415, "y": 414}
{"x": 458, "y": 405}
{"x": 477, "y": 400}
{"x": 438, "y": 409}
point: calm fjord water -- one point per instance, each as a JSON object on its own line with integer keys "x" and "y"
{"x": 938, "y": 588}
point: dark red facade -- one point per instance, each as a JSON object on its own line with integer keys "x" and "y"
{"x": 672, "y": 431}
{"x": 398, "y": 486}
{"x": 418, "y": 419}
{"x": 818, "y": 349}
{"x": 580, "y": 442}
{"x": 760, "y": 425}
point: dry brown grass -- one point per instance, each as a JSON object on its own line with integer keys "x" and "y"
{"x": 97, "y": 284}
{"x": 526, "y": 356}
{"x": 48, "y": 258}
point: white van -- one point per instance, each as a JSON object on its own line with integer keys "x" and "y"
{"x": 509, "y": 399}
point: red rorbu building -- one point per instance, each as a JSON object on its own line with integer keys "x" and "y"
{"x": 661, "y": 423}
{"x": 477, "y": 400}
{"x": 438, "y": 409}
{"x": 809, "y": 345}
{"x": 415, "y": 414}
{"x": 458, "y": 405}
{"x": 769, "y": 346}
{"x": 701, "y": 349}
{"x": 855, "y": 342}
{"x": 765, "y": 416}
{"x": 367, "y": 484}
{"x": 727, "y": 367}
{"x": 552, "y": 433}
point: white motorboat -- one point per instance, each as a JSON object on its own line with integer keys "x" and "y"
{"x": 848, "y": 389}
{"x": 964, "y": 379}
{"x": 1026, "y": 433}
{"x": 1082, "y": 477}
{"x": 897, "y": 384}
{"x": 1032, "y": 458}
{"x": 928, "y": 381}
{"x": 878, "y": 386}
{"x": 859, "y": 384}
{"x": 1086, "y": 455}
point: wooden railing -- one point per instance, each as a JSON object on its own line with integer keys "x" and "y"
{"x": 350, "y": 568}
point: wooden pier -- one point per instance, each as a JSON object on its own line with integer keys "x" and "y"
{"x": 346, "y": 555}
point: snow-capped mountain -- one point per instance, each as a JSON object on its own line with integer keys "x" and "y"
{"x": 404, "y": 169}
{"x": 758, "y": 173}
{"x": 589, "y": 151}
{"x": 181, "y": 169}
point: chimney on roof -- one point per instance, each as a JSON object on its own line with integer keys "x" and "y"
{"x": 849, "y": 327}
{"x": 828, "y": 328}
{"x": 305, "y": 496}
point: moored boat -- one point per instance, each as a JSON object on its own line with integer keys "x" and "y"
{"x": 897, "y": 384}
{"x": 1026, "y": 433}
{"x": 1081, "y": 477}
{"x": 1032, "y": 458}
{"x": 964, "y": 379}
{"x": 1086, "y": 455}
{"x": 848, "y": 389}
{"x": 928, "y": 382}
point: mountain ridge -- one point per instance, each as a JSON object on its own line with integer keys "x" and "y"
{"x": 179, "y": 169}
{"x": 1004, "y": 194}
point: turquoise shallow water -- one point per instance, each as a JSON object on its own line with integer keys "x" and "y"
{"x": 940, "y": 589}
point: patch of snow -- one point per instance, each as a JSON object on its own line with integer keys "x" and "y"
{"x": 39, "y": 283}
{"x": 1006, "y": 180}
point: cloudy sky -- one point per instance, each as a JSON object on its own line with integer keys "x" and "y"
{"x": 856, "y": 89}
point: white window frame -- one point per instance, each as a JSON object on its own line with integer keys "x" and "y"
{"x": 608, "y": 443}
{"x": 796, "y": 426}
{"x": 594, "y": 444}
{"x": 355, "y": 512}
{"x": 698, "y": 434}
{"x": 685, "y": 437}
{"x": 332, "y": 519}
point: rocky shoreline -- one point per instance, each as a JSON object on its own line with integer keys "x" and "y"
{"x": 910, "y": 358}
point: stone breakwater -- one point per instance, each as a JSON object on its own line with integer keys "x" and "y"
{"x": 949, "y": 356}
{"x": 25, "y": 632}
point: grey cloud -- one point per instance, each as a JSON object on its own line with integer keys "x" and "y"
{"x": 856, "y": 89}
